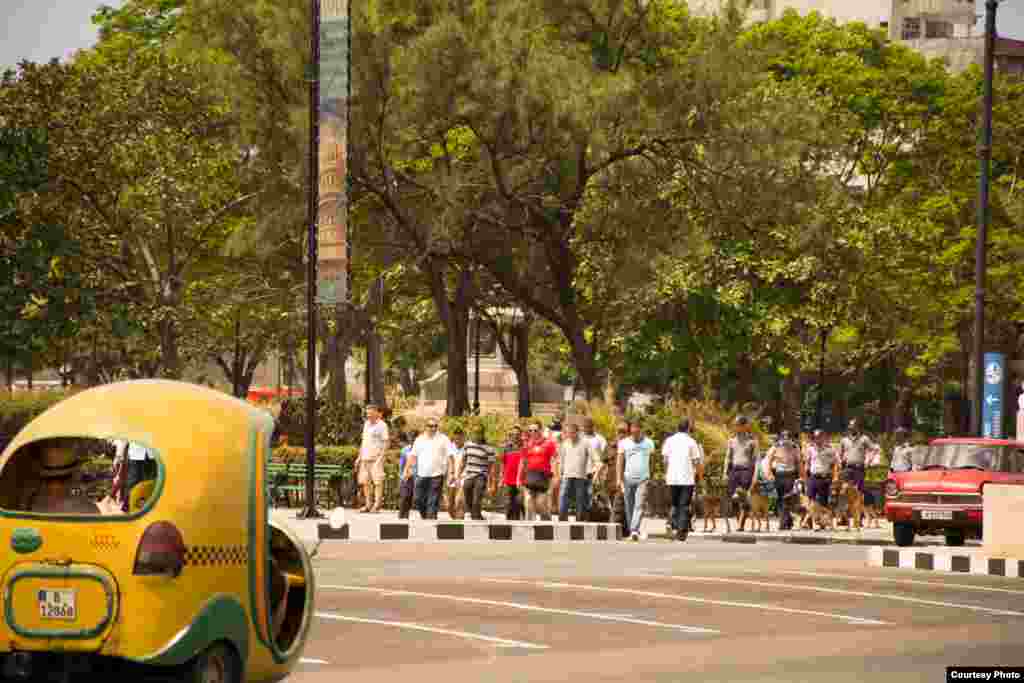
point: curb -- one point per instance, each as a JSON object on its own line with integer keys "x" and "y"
{"x": 462, "y": 531}
{"x": 942, "y": 560}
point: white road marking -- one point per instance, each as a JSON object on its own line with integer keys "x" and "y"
{"x": 840, "y": 591}
{"x": 430, "y": 629}
{"x": 625, "y": 619}
{"x": 306, "y": 660}
{"x": 939, "y": 584}
{"x": 689, "y": 598}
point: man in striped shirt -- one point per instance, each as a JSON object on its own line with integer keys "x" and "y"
{"x": 476, "y": 471}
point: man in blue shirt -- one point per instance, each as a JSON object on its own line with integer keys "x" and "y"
{"x": 408, "y": 483}
{"x": 634, "y": 475}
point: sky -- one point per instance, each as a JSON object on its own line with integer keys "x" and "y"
{"x": 39, "y": 30}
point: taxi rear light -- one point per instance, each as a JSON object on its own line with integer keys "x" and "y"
{"x": 161, "y": 551}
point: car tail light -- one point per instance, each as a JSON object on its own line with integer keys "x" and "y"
{"x": 974, "y": 515}
{"x": 161, "y": 551}
{"x": 892, "y": 488}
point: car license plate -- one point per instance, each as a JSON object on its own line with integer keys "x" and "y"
{"x": 936, "y": 514}
{"x": 57, "y": 603}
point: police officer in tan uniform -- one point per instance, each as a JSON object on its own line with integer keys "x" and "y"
{"x": 741, "y": 454}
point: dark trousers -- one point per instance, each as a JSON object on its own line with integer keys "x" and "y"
{"x": 740, "y": 478}
{"x": 577, "y": 490}
{"x": 473, "y": 492}
{"x": 855, "y": 475}
{"x": 783, "y": 487}
{"x": 819, "y": 487}
{"x": 428, "y": 496}
{"x": 514, "y": 507}
{"x": 681, "y": 497}
{"x": 406, "y": 493}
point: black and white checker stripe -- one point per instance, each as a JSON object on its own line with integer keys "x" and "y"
{"x": 495, "y": 531}
{"x": 946, "y": 560}
{"x": 215, "y": 555}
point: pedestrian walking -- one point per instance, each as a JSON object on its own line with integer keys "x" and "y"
{"x": 619, "y": 494}
{"x": 902, "y": 454}
{"x": 821, "y": 468}
{"x": 407, "y": 487}
{"x": 575, "y": 456}
{"x": 635, "y": 475}
{"x": 854, "y": 450}
{"x": 598, "y": 448}
{"x": 428, "y": 461}
{"x": 371, "y": 459}
{"x": 454, "y": 502}
{"x": 535, "y": 470}
{"x": 684, "y": 468}
{"x": 741, "y": 454}
{"x": 783, "y": 466}
{"x": 510, "y": 474}
{"x": 477, "y": 474}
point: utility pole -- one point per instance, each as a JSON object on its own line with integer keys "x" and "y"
{"x": 314, "y": 190}
{"x": 985, "y": 159}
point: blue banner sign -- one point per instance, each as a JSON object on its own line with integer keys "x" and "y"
{"x": 992, "y": 398}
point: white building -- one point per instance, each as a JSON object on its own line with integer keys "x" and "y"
{"x": 948, "y": 29}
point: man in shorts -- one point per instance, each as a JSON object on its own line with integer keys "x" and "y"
{"x": 371, "y": 459}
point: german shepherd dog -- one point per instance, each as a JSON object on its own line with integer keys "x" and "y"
{"x": 752, "y": 505}
{"x": 847, "y": 503}
{"x": 711, "y": 507}
{"x": 812, "y": 512}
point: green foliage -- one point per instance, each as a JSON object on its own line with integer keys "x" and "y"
{"x": 18, "y": 410}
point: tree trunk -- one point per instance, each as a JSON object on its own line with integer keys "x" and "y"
{"x": 31, "y": 370}
{"x": 375, "y": 369}
{"x": 790, "y": 417}
{"x": 169, "y": 357}
{"x": 410, "y": 387}
{"x": 887, "y": 401}
{"x": 744, "y": 381}
{"x": 454, "y": 313}
{"x": 585, "y": 361}
{"x": 903, "y": 412}
{"x": 339, "y": 348}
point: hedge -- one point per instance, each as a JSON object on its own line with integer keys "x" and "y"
{"x": 19, "y": 409}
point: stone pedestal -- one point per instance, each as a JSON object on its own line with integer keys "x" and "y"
{"x": 1003, "y": 521}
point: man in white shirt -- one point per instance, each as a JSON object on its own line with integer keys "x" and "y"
{"x": 429, "y": 461}
{"x": 454, "y": 496}
{"x": 684, "y": 467}
{"x": 371, "y": 459}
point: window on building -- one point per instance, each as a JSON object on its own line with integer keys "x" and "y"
{"x": 938, "y": 29}
{"x": 911, "y": 28}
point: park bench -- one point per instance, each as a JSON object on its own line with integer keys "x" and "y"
{"x": 293, "y": 482}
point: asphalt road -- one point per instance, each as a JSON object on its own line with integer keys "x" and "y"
{"x": 649, "y": 611}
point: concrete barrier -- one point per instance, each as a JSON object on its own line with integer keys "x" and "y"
{"x": 1003, "y": 520}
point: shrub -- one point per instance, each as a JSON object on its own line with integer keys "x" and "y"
{"x": 18, "y": 410}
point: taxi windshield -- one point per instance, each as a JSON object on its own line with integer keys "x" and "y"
{"x": 79, "y": 476}
{"x": 989, "y": 458}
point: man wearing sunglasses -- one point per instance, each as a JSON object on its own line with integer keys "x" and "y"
{"x": 429, "y": 462}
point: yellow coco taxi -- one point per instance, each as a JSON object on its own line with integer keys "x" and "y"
{"x": 189, "y": 577}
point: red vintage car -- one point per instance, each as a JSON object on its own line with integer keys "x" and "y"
{"x": 943, "y": 494}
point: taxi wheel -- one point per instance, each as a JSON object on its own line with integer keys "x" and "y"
{"x": 217, "y": 664}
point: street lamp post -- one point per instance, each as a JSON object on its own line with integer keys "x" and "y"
{"x": 985, "y": 159}
{"x": 314, "y": 180}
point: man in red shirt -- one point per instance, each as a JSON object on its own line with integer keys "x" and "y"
{"x": 535, "y": 472}
{"x": 510, "y": 476}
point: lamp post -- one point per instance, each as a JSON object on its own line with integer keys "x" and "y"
{"x": 984, "y": 158}
{"x": 310, "y": 510}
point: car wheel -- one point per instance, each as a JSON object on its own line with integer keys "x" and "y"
{"x": 217, "y": 664}
{"x": 955, "y": 538}
{"x": 903, "y": 534}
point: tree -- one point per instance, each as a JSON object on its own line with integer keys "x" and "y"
{"x": 141, "y": 155}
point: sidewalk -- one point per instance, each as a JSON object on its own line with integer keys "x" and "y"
{"x": 953, "y": 560}
{"x": 368, "y": 527}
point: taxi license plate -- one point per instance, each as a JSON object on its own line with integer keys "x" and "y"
{"x": 57, "y": 603}
{"x": 936, "y": 514}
